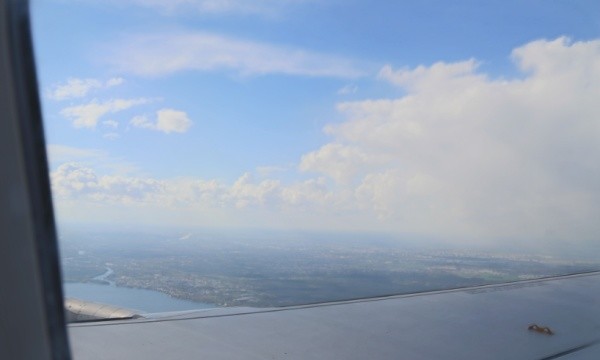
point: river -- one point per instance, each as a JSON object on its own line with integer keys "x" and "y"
{"x": 147, "y": 301}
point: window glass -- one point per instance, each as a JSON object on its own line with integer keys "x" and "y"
{"x": 271, "y": 153}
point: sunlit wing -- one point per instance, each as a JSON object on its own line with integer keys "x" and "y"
{"x": 539, "y": 319}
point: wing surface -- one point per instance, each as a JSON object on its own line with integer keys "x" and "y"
{"x": 486, "y": 322}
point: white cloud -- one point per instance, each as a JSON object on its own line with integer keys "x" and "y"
{"x": 74, "y": 181}
{"x": 98, "y": 159}
{"x": 142, "y": 121}
{"x": 167, "y": 121}
{"x": 78, "y": 88}
{"x": 440, "y": 73}
{"x": 347, "y": 90}
{"x": 245, "y": 192}
{"x": 114, "y": 82}
{"x": 111, "y": 136}
{"x": 61, "y": 153}
{"x": 309, "y": 193}
{"x": 87, "y": 115}
{"x": 162, "y": 54}
{"x": 82, "y": 193}
{"x": 336, "y": 160}
{"x": 259, "y": 7}
{"x": 476, "y": 157}
{"x": 71, "y": 180}
{"x": 111, "y": 123}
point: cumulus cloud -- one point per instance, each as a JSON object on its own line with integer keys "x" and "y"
{"x": 162, "y": 54}
{"x": 440, "y": 73}
{"x": 245, "y": 192}
{"x": 78, "y": 88}
{"x": 84, "y": 193}
{"x": 167, "y": 121}
{"x": 336, "y": 160}
{"x": 75, "y": 181}
{"x": 479, "y": 157}
{"x": 88, "y": 115}
{"x": 71, "y": 180}
{"x": 309, "y": 193}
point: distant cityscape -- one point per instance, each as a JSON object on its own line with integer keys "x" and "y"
{"x": 265, "y": 273}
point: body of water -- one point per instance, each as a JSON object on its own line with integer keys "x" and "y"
{"x": 104, "y": 277}
{"x": 136, "y": 299}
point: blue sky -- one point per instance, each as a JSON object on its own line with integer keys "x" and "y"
{"x": 436, "y": 118}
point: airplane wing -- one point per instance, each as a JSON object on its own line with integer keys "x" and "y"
{"x": 539, "y": 319}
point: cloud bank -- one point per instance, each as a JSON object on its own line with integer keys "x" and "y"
{"x": 479, "y": 157}
{"x": 460, "y": 155}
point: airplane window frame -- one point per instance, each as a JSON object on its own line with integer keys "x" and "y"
{"x": 31, "y": 303}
